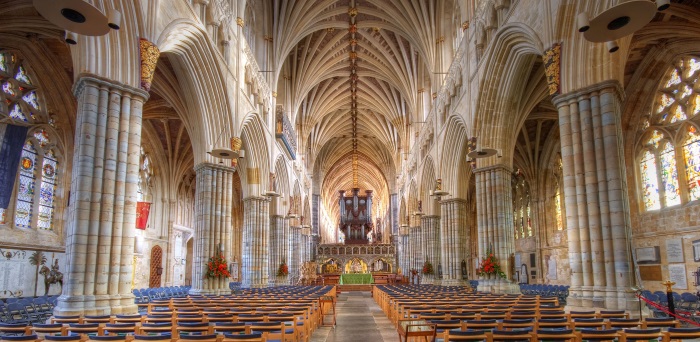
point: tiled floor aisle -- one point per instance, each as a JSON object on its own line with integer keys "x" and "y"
{"x": 359, "y": 319}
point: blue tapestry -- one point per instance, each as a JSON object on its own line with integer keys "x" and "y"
{"x": 12, "y": 140}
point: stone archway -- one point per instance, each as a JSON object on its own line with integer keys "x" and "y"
{"x": 156, "y": 267}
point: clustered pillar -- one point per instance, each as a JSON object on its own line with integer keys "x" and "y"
{"x": 430, "y": 226}
{"x": 595, "y": 194}
{"x": 452, "y": 231}
{"x": 495, "y": 219}
{"x": 213, "y": 221}
{"x": 294, "y": 252}
{"x": 101, "y": 218}
{"x": 415, "y": 250}
{"x": 256, "y": 233}
{"x": 279, "y": 230}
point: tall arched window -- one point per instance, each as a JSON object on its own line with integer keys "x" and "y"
{"x": 522, "y": 222}
{"x": 33, "y": 204}
{"x": 673, "y": 114}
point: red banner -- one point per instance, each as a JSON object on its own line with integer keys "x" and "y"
{"x": 142, "y": 210}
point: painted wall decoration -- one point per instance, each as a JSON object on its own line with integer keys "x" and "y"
{"x": 31, "y": 273}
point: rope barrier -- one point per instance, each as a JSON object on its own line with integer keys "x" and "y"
{"x": 666, "y": 311}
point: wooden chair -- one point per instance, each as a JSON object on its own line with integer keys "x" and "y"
{"x": 640, "y": 335}
{"x": 588, "y": 323}
{"x": 229, "y": 328}
{"x": 623, "y": 323}
{"x": 67, "y": 338}
{"x": 193, "y": 328}
{"x": 442, "y": 325}
{"x": 108, "y": 338}
{"x": 136, "y": 318}
{"x": 660, "y": 322}
{"x": 254, "y": 337}
{"x": 271, "y": 330}
{"x": 66, "y": 319}
{"x": 20, "y": 338}
{"x": 553, "y": 323}
{"x": 581, "y": 314}
{"x": 512, "y": 335}
{"x": 499, "y": 315}
{"x": 167, "y": 337}
{"x": 98, "y": 319}
{"x": 566, "y": 335}
{"x": 484, "y": 324}
{"x": 296, "y": 332}
{"x": 613, "y": 314}
{"x": 681, "y": 334}
{"x": 463, "y": 336}
{"x": 156, "y": 328}
{"x": 598, "y": 335}
{"x": 198, "y": 338}
{"x": 8, "y": 329}
{"x": 48, "y": 329}
{"x": 84, "y": 329}
{"x": 120, "y": 328}
{"x": 517, "y": 324}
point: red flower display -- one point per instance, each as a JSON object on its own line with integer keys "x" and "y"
{"x": 490, "y": 265}
{"x": 427, "y": 268}
{"x": 217, "y": 267}
{"x": 283, "y": 270}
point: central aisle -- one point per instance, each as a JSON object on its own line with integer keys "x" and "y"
{"x": 359, "y": 319}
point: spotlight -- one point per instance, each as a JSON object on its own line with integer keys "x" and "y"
{"x": 114, "y": 19}
{"x": 241, "y": 154}
{"x": 583, "y": 22}
{"x": 612, "y": 46}
{"x": 71, "y": 38}
{"x": 663, "y": 5}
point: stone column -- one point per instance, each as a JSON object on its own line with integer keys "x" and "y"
{"x": 294, "y": 252}
{"x": 416, "y": 252}
{"x": 452, "y": 231}
{"x": 101, "y": 216}
{"x": 394, "y": 215}
{"x": 494, "y": 208}
{"x": 404, "y": 252}
{"x": 256, "y": 233}
{"x": 278, "y": 247}
{"x": 212, "y": 228}
{"x": 595, "y": 193}
{"x": 430, "y": 227}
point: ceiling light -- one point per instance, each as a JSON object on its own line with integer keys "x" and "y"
{"x": 77, "y": 16}
{"x": 619, "y": 21}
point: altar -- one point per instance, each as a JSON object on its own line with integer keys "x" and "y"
{"x": 356, "y": 278}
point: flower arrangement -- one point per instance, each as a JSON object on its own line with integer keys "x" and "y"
{"x": 217, "y": 267}
{"x": 414, "y": 271}
{"x": 427, "y": 268}
{"x": 490, "y": 265}
{"x": 283, "y": 270}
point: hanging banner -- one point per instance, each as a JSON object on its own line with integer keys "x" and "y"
{"x": 11, "y": 143}
{"x": 142, "y": 211}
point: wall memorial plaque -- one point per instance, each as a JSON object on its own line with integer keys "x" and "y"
{"x": 676, "y": 273}
{"x": 648, "y": 255}
{"x": 652, "y": 272}
{"x": 674, "y": 250}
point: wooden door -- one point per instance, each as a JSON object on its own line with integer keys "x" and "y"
{"x": 156, "y": 267}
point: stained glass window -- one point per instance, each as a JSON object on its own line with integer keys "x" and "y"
{"x": 3, "y": 212}
{"x": 42, "y": 137}
{"x": 529, "y": 220}
{"x": 25, "y": 190}
{"x": 19, "y": 98}
{"x": 691, "y": 154}
{"x": 48, "y": 190}
{"x": 650, "y": 182}
{"x": 669, "y": 175}
{"x": 677, "y": 101}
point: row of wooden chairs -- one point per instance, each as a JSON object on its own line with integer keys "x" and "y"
{"x": 450, "y": 313}
{"x": 595, "y": 323}
{"x": 571, "y": 335}
{"x": 242, "y": 337}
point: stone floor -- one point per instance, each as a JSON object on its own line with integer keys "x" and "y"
{"x": 358, "y": 319}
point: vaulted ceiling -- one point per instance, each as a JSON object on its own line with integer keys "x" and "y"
{"x": 373, "y": 59}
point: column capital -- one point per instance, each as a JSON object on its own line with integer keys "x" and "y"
{"x": 602, "y": 87}
{"x": 87, "y": 79}
{"x": 498, "y": 167}
{"x": 212, "y": 166}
